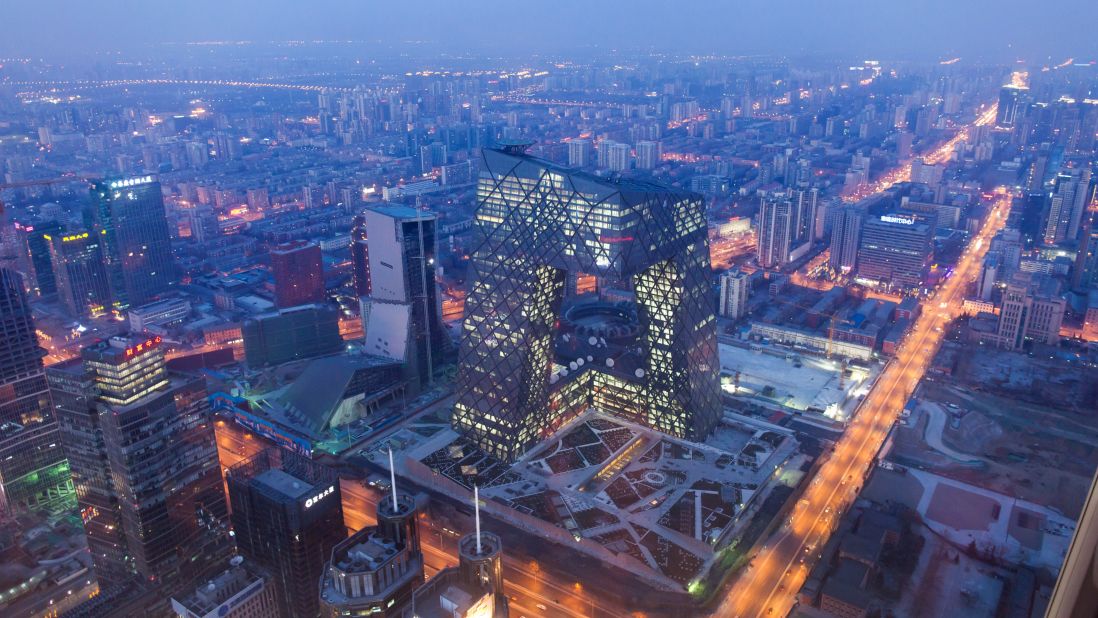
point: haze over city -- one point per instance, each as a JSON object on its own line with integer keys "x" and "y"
{"x": 919, "y": 30}
{"x": 548, "y": 310}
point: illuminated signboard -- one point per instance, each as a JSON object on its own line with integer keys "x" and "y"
{"x": 897, "y": 219}
{"x": 73, "y": 237}
{"x": 615, "y": 239}
{"x": 320, "y": 496}
{"x": 130, "y": 182}
{"x": 148, "y": 344}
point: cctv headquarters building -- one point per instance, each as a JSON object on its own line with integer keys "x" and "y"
{"x": 540, "y": 226}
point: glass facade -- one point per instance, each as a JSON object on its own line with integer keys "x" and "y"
{"x": 44, "y": 284}
{"x": 287, "y": 515}
{"x": 129, "y": 215}
{"x": 81, "y": 278}
{"x": 144, "y": 463}
{"x": 895, "y": 251}
{"x": 538, "y": 222}
{"x": 291, "y": 334}
{"x": 34, "y": 474}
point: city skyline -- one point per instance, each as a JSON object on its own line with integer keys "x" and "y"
{"x": 571, "y": 310}
{"x": 984, "y": 31}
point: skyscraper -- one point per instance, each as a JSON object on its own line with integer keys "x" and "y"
{"x": 298, "y": 270}
{"x": 129, "y": 215}
{"x": 44, "y": 283}
{"x": 620, "y": 155}
{"x": 734, "y": 292}
{"x": 144, "y": 462}
{"x": 1011, "y": 105}
{"x": 1084, "y": 272}
{"x": 431, "y": 156}
{"x": 360, "y": 256}
{"x": 786, "y": 227}
{"x": 805, "y": 208}
{"x": 775, "y": 232}
{"x": 606, "y": 147}
{"x": 536, "y": 222}
{"x": 1067, "y": 205}
{"x": 83, "y": 285}
{"x": 895, "y": 251}
{"x": 34, "y": 473}
{"x": 648, "y": 155}
{"x": 403, "y": 312}
{"x": 579, "y": 153}
{"x": 846, "y": 231}
{"x": 287, "y": 516}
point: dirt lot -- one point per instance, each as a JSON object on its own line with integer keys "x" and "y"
{"x": 1036, "y": 452}
{"x": 1030, "y": 425}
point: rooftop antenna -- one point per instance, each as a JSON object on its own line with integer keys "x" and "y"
{"x": 476, "y": 509}
{"x": 393, "y": 479}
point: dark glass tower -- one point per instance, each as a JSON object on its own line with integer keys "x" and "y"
{"x": 145, "y": 465}
{"x": 287, "y": 516}
{"x": 83, "y": 285}
{"x": 360, "y": 256}
{"x": 38, "y": 250}
{"x": 129, "y": 214}
{"x": 537, "y": 222}
{"x": 34, "y": 473}
{"x": 1011, "y": 101}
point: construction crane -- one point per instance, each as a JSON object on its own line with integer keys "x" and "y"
{"x": 39, "y": 182}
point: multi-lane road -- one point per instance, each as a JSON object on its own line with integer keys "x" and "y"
{"x": 940, "y": 154}
{"x": 769, "y": 585}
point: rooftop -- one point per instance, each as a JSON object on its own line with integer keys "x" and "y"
{"x": 284, "y": 483}
{"x": 312, "y": 399}
{"x": 236, "y": 581}
{"x": 586, "y": 182}
{"x": 401, "y": 212}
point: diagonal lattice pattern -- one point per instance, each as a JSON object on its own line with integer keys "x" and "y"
{"x": 536, "y": 223}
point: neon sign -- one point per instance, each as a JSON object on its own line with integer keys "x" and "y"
{"x": 317, "y": 498}
{"x": 130, "y": 182}
{"x": 897, "y": 219}
{"x": 146, "y": 345}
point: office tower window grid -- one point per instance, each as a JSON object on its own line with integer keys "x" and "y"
{"x": 537, "y": 222}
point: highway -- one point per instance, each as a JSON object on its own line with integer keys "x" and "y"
{"x": 941, "y": 154}
{"x": 772, "y": 579}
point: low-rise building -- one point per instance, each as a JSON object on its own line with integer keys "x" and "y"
{"x": 161, "y": 313}
{"x": 241, "y": 591}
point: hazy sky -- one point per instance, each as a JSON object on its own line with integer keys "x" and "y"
{"x": 992, "y": 29}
